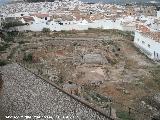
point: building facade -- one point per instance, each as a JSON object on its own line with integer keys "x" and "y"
{"x": 149, "y": 44}
{"x": 158, "y": 14}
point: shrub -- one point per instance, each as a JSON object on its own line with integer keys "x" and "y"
{"x": 63, "y": 31}
{"x": 28, "y": 58}
{"x": 124, "y": 115}
{"x": 7, "y": 25}
{"x": 46, "y": 30}
{"x": 4, "y": 47}
{"x": 21, "y": 42}
{"x": 9, "y": 36}
{"x": 61, "y": 78}
{"x": 3, "y": 62}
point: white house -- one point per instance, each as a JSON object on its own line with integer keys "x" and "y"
{"x": 158, "y": 14}
{"x": 19, "y": 14}
{"x": 0, "y": 23}
{"x": 128, "y": 26}
{"x": 105, "y": 24}
{"x": 125, "y": 24}
{"x": 149, "y": 43}
{"x": 35, "y": 23}
{"x": 40, "y": 17}
{"x": 153, "y": 23}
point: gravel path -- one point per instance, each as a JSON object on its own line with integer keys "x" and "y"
{"x": 25, "y": 94}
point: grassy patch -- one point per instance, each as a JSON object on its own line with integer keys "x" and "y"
{"x": 156, "y": 76}
{"x": 124, "y": 115}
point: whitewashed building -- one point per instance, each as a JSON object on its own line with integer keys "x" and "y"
{"x": 19, "y": 14}
{"x": 124, "y": 24}
{"x": 0, "y": 23}
{"x": 149, "y": 43}
{"x": 35, "y": 23}
{"x": 158, "y": 14}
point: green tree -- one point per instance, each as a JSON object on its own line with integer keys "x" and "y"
{"x": 6, "y": 25}
{"x": 46, "y": 30}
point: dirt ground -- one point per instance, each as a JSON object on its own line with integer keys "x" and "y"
{"x": 122, "y": 73}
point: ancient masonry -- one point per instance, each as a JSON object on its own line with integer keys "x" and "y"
{"x": 23, "y": 94}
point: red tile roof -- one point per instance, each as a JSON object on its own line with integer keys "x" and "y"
{"x": 145, "y": 31}
{"x": 152, "y": 35}
{"x": 39, "y": 15}
{"x": 142, "y": 28}
{"x": 28, "y": 19}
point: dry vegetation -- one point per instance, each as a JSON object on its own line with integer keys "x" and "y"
{"x": 120, "y": 71}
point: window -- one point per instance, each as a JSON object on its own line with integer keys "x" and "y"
{"x": 137, "y": 39}
{"x": 149, "y": 45}
{"x": 143, "y": 42}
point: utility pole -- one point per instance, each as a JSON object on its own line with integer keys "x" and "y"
{"x": 1, "y": 82}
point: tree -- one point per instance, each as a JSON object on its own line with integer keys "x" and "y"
{"x": 6, "y": 25}
{"x": 46, "y": 30}
{"x": 28, "y": 58}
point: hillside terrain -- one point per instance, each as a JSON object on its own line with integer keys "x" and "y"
{"x": 101, "y": 66}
